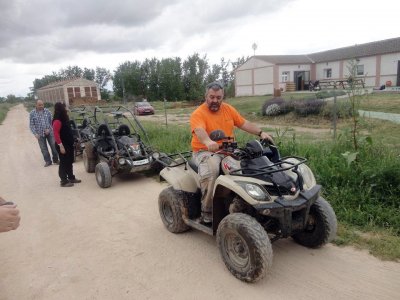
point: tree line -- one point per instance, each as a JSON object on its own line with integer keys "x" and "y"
{"x": 169, "y": 78}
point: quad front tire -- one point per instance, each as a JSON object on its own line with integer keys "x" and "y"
{"x": 244, "y": 246}
{"x": 320, "y": 227}
{"x": 103, "y": 175}
{"x": 169, "y": 205}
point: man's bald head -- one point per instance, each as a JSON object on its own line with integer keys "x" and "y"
{"x": 39, "y": 105}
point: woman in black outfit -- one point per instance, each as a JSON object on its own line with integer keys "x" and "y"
{"x": 64, "y": 144}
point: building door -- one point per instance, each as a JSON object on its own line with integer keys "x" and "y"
{"x": 301, "y": 79}
{"x": 398, "y": 73}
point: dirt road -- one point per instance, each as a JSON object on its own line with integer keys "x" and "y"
{"x": 90, "y": 243}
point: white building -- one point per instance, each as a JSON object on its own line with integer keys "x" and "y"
{"x": 68, "y": 90}
{"x": 378, "y": 63}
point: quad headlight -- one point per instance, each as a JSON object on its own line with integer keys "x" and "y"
{"x": 254, "y": 190}
{"x": 122, "y": 161}
{"x": 156, "y": 155}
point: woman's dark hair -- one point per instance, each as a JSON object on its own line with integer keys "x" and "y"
{"x": 60, "y": 112}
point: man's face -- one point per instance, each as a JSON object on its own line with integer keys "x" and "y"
{"x": 39, "y": 105}
{"x": 214, "y": 99}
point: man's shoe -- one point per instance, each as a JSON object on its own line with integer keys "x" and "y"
{"x": 206, "y": 217}
{"x": 66, "y": 184}
{"x": 56, "y": 162}
{"x": 75, "y": 180}
{"x": 47, "y": 164}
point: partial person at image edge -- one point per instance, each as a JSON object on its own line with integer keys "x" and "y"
{"x": 9, "y": 216}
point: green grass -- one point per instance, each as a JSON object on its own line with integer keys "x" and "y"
{"x": 4, "y": 108}
{"x": 389, "y": 103}
{"x": 380, "y": 243}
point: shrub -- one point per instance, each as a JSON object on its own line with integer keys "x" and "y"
{"x": 308, "y": 107}
{"x": 343, "y": 110}
{"x": 275, "y": 106}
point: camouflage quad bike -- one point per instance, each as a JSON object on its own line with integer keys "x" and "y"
{"x": 120, "y": 145}
{"x": 258, "y": 198}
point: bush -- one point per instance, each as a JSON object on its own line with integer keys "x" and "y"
{"x": 308, "y": 107}
{"x": 343, "y": 110}
{"x": 275, "y": 106}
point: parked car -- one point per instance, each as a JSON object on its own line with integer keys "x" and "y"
{"x": 143, "y": 108}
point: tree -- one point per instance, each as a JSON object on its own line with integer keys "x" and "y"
{"x": 194, "y": 74}
{"x": 88, "y": 74}
{"x": 102, "y": 77}
{"x": 71, "y": 72}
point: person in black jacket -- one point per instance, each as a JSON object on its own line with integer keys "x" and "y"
{"x": 64, "y": 145}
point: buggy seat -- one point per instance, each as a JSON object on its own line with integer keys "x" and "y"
{"x": 105, "y": 143}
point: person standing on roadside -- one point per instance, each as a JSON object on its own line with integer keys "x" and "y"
{"x": 64, "y": 144}
{"x": 40, "y": 125}
{"x": 9, "y": 216}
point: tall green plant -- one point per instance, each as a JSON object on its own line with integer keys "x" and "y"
{"x": 355, "y": 93}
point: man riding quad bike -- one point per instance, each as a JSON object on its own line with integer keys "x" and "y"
{"x": 258, "y": 198}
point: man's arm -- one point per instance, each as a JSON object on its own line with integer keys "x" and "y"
{"x": 48, "y": 114}
{"x": 32, "y": 126}
{"x": 254, "y": 129}
{"x": 205, "y": 139}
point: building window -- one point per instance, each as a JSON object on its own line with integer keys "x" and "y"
{"x": 77, "y": 91}
{"x": 285, "y": 76}
{"x": 70, "y": 92}
{"x": 87, "y": 91}
{"x": 360, "y": 70}
{"x": 328, "y": 73}
{"x": 94, "y": 92}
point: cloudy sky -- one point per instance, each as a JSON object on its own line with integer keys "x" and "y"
{"x": 41, "y": 36}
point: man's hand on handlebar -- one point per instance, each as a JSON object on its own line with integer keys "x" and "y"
{"x": 266, "y": 136}
{"x": 212, "y": 146}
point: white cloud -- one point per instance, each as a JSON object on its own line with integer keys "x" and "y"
{"x": 41, "y": 36}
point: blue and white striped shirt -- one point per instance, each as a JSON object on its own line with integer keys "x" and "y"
{"x": 39, "y": 121}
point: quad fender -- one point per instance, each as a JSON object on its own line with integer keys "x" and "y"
{"x": 228, "y": 182}
{"x": 180, "y": 178}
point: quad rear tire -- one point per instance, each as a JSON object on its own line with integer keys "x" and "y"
{"x": 321, "y": 225}
{"x": 169, "y": 205}
{"x": 89, "y": 158}
{"x": 244, "y": 246}
{"x": 103, "y": 175}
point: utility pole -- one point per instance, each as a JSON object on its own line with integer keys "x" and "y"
{"x": 254, "y": 46}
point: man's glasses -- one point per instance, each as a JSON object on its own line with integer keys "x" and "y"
{"x": 214, "y": 85}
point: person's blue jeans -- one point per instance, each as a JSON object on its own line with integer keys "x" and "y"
{"x": 43, "y": 140}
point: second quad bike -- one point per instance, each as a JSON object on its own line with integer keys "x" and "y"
{"x": 258, "y": 198}
{"x": 120, "y": 145}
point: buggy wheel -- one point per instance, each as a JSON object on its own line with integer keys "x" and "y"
{"x": 103, "y": 175}
{"x": 321, "y": 225}
{"x": 244, "y": 246}
{"x": 169, "y": 206}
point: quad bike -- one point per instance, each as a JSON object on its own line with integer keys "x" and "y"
{"x": 120, "y": 145}
{"x": 258, "y": 198}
